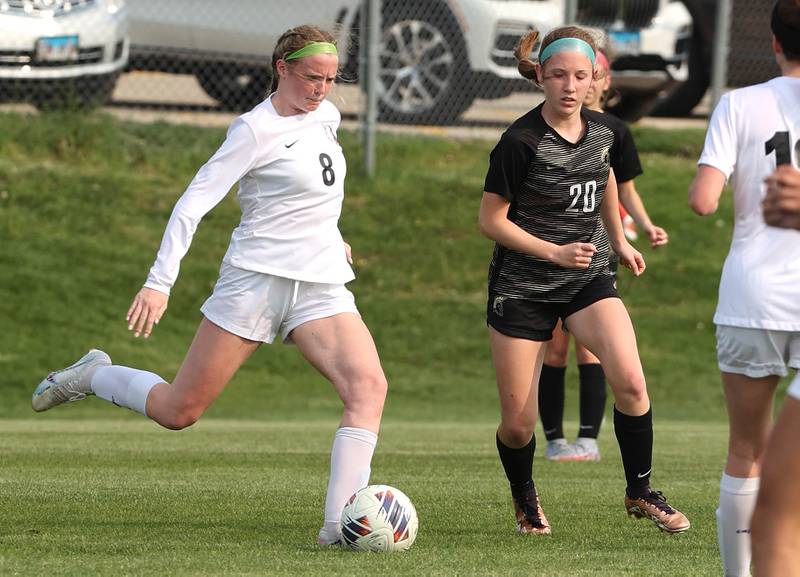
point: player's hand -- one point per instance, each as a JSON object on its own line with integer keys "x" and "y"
{"x": 631, "y": 258}
{"x": 348, "y": 253}
{"x": 657, "y": 235}
{"x": 781, "y": 205}
{"x": 574, "y": 255}
{"x": 146, "y": 310}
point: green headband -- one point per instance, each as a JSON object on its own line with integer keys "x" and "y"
{"x": 312, "y": 49}
{"x": 567, "y": 45}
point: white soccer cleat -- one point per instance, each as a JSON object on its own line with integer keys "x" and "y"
{"x": 71, "y": 384}
{"x": 586, "y": 448}
{"x": 561, "y": 450}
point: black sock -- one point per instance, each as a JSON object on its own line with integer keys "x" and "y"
{"x": 635, "y": 438}
{"x": 593, "y": 399}
{"x": 518, "y": 464}
{"x": 551, "y": 401}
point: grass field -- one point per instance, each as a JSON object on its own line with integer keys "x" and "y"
{"x": 88, "y": 489}
{"x": 241, "y": 497}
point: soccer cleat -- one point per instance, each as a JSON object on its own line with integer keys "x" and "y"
{"x": 329, "y": 537}
{"x": 530, "y": 516}
{"x": 561, "y": 450}
{"x": 654, "y": 506}
{"x": 586, "y": 449}
{"x": 71, "y": 384}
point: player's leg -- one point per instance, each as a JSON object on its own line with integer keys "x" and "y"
{"x": 592, "y": 381}
{"x": 214, "y": 356}
{"x": 342, "y": 349}
{"x": 749, "y": 402}
{"x": 551, "y": 396}
{"x": 517, "y": 363}
{"x": 751, "y": 362}
{"x": 776, "y": 523}
{"x": 605, "y": 328}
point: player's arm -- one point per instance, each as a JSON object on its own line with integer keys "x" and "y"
{"x": 494, "y": 224}
{"x": 705, "y": 190}
{"x": 630, "y": 199}
{"x": 609, "y": 211}
{"x": 209, "y": 186}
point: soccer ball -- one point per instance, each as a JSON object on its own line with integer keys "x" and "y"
{"x": 379, "y": 518}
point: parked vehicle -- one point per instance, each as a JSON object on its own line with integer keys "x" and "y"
{"x": 54, "y": 52}
{"x": 436, "y": 56}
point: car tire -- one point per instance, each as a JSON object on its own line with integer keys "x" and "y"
{"x": 681, "y": 101}
{"x": 235, "y": 88}
{"x": 632, "y": 106}
{"x": 426, "y": 82}
{"x": 83, "y": 92}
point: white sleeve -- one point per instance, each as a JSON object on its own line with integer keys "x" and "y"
{"x": 721, "y": 142}
{"x": 210, "y": 185}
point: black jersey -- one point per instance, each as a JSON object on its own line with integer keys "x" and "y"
{"x": 626, "y": 164}
{"x": 556, "y": 189}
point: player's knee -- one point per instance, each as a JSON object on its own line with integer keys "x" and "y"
{"x": 633, "y": 387}
{"x": 367, "y": 394}
{"x": 517, "y": 434}
{"x": 555, "y": 357}
{"x": 182, "y": 417}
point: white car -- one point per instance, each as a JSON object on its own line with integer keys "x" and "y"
{"x": 436, "y": 56}
{"x": 57, "y": 51}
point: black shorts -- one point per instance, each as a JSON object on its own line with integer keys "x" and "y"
{"x": 535, "y": 320}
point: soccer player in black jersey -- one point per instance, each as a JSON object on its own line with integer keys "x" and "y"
{"x": 548, "y": 186}
{"x": 592, "y": 382}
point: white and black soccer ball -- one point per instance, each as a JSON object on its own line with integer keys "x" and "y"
{"x": 379, "y": 518}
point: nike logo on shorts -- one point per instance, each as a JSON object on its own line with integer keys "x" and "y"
{"x": 292, "y": 144}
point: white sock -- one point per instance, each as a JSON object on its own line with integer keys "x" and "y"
{"x": 737, "y": 499}
{"x": 125, "y": 387}
{"x": 350, "y": 468}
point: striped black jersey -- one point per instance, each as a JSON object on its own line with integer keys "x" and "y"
{"x": 555, "y": 188}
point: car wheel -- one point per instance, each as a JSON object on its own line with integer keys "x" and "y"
{"x": 82, "y": 92}
{"x": 424, "y": 75}
{"x": 682, "y": 100}
{"x": 235, "y": 89}
{"x": 632, "y": 106}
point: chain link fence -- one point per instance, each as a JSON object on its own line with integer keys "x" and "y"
{"x": 439, "y": 61}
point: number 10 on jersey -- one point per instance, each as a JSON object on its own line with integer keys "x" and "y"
{"x": 582, "y": 191}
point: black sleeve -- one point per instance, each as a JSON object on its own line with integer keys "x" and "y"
{"x": 508, "y": 165}
{"x": 624, "y": 156}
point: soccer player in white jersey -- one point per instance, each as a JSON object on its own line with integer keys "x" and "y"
{"x": 752, "y": 130}
{"x": 549, "y": 198}
{"x": 284, "y": 273}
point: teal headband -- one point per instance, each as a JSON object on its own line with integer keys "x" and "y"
{"x": 312, "y": 49}
{"x": 567, "y": 45}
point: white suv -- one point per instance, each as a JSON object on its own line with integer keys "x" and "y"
{"x": 58, "y": 51}
{"x": 436, "y": 56}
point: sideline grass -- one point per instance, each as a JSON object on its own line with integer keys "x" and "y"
{"x": 244, "y": 497}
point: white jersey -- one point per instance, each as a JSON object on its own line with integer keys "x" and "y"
{"x": 751, "y": 131}
{"x": 290, "y": 171}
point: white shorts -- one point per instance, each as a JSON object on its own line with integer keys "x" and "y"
{"x": 757, "y": 353}
{"x": 258, "y": 306}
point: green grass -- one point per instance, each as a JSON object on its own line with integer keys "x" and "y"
{"x": 242, "y": 497}
{"x": 83, "y": 203}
